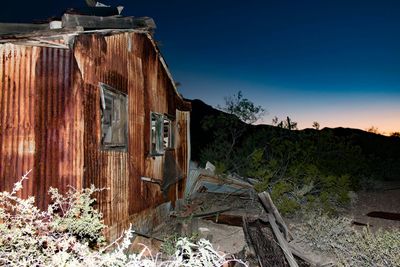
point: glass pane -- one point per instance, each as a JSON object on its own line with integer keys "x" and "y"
{"x": 114, "y": 118}
{"x": 153, "y": 133}
{"x": 166, "y": 133}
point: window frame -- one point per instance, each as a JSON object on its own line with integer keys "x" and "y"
{"x": 107, "y": 91}
{"x": 157, "y": 146}
{"x": 171, "y": 131}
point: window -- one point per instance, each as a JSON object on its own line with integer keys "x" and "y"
{"x": 156, "y": 134}
{"x": 162, "y": 133}
{"x": 168, "y": 133}
{"x": 114, "y": 114}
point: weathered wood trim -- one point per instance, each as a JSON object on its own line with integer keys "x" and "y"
{"x": 14, "y": 28}
{"x": 113, "y": 22}
{"x": 282, "y": 242}
{"x": 271, "y": 208}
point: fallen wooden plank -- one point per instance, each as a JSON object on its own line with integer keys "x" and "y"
{"x": 204, "y": 214}
{"x": 270, "y": 207}
{"x": 248, "y": 238}
{"x": 282, "y": 242}
{"x": 151, "y": 180}
{"x": 384, "y": 215}
{"x": 312, "y": 259}
{"x": 232, "y": 220}
{"x": 17, "y": 28}
{"x": 148, "y": 236}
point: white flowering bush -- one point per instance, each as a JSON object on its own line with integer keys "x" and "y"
{"x": 69, "y": 233}
{"x": 74, "y": 213}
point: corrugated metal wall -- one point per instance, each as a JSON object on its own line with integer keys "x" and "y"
{"x": 50, "y": 122}
{"x": 41, "y": 121}
{"x": 128, "y": 62}
{"x": 183, "y": 146}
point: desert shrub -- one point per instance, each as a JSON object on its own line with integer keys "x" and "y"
{"x": 336, "y": 236}
{"x": 169, "y": 245}
{"x": 295, "y": 180}
{"x": 74, "y": 213}
{"x": 69, "y": 233}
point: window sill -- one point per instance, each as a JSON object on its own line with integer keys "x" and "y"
{"x": 114, "y": 148}
{"x": 152, "y": 155}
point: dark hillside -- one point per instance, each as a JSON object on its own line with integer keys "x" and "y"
{"x": 378, "y": 155}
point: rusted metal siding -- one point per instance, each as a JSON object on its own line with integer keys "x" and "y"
{"x": 41, "y": 120}
{"x": 129, "y": 63}
{"x": 183, "y": 146}
{"x": 50, "y": 122}
{"x": 17, "y": 137}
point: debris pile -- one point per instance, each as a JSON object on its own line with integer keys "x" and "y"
{"x": 228, "y": 212}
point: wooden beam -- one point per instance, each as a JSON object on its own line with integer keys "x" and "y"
{"x": 271, "y": 208}
{"x": 282, "y": 242}
{"x": 313, "y": 260}
{"x": 232, "y": 220}
{"x": 249, "y": 241}
{"x": 151, "y": 180}
{"x": 113, "y": 22}
{"x": 16, "y": 28}
{"x": 205, "y": 214}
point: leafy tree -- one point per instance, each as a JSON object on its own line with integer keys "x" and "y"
{"x": 242, "y": 108}
{"x": 285, "y": 124}
{"x": 289, "y": 124}
{"x": 395, "y": 134}
{"x": 227, "y": 129}
{"x": 316, "y": 125}
{"x": 373, "y": 129}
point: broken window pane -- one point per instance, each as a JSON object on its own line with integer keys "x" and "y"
{"x": 167, "y": 133}
{"x": 161, "y": 133}
{"x": 114, "y": 114}
{"x": 156, "y": 133}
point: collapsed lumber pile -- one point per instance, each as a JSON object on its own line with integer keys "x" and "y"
{"x": 269, "y": 239}
{"x": 267, "y": 236}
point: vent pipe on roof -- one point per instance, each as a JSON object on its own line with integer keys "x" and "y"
{"x": 98, "y": 4}
{"x": 94, "y": 3}
{"x": 120, "y": 8}
{"x": 91, "y": 3}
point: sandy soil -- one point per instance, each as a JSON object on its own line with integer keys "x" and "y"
{"x": 386, "y": 199}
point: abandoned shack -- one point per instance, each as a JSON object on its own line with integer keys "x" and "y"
{"x": 89, "y": 100}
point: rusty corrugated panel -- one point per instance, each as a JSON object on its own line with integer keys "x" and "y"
{"x": 41, "y": 123}
{"x": 17, "y": 139}
{"x": 129, "y": 63}
{"x": 59, "y": 122}
{"x": 105, "y": 59}
{"x": 50, "y": 121}
{"x": 183, "y": 146}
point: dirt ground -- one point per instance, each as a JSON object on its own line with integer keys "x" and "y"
{"x": 230, "y": 238}
{"x": 386, "y": 199}
{"x": 225, "y": 238}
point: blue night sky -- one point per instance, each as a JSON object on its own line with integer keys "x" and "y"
{"x": 332, "y": 61}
